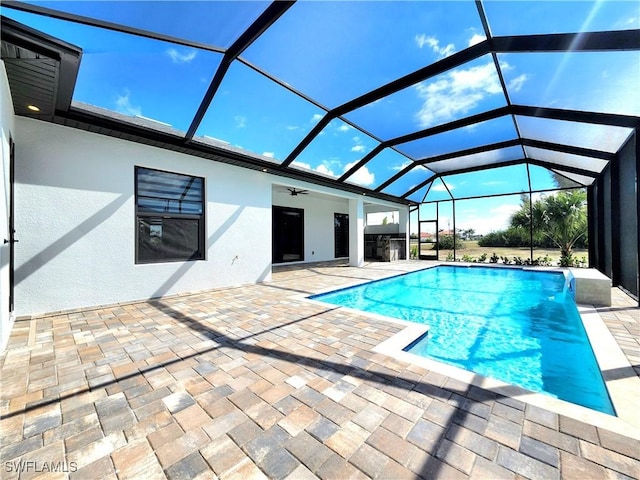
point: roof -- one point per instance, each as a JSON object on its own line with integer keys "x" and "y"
{"x": 409, "y": 101}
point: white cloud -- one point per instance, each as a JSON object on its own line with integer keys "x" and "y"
{"x": 402, "y": 166}
{"x": 505, "y": 209}
{"x": 320, "y": 168}
{"x": 344, "y": 128}
{"x": 456, "y": 93}
{"x": 358, "y": 148}
{"x": 316, "y": 118}
{"x": 298, "y": 164}
{"x": 476, "y": 38}
{"x": 422, "y": 40}
{"x": 124, "y": 105}
{"x": 439, "y": 187}
{"x": 483, "y": 222}
{"x": 269, "y": 154}
{"x": 241, "y": 121}
{"x": 362, "y": 176}
{"x": 178, "y": 57}
{"x": 517, "y": 83}
{"x": 292, "y": 127}
{"x": 628, "y": 23}
{"x": 482, "y": 77}
{"x": 434, "y": 44}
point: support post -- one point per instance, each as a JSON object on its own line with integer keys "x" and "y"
{"x": 405, "y": 228}
{"x": 356, "y": 232}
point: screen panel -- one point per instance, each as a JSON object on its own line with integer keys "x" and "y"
{"x": 476, "y": 135}
{"x": 494, "y": 181}
{"x": 586, "y": 135}
{"x": 251, "y": 112}
{"x": 326, "y": 49}
{"x": 408, "y": 181}
{"x": 217, "y": 23}
{"x": 566, "y": 159}
{"x": 460, "y": 92}
{"x": 490, "y": 157}
{"x": 535, "y": 17}
{"x": 586, "y": 81}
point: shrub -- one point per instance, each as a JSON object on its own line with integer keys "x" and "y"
{"x": 445, "y": 242}
{"x": 566, "y": 259}
{"x": 544, "y": 261}
{"x": 511, "y": 237}
{"x": 505, "y": 260}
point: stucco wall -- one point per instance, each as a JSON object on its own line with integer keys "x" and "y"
{"x": 7, "y": 126}
{"x": 75, "y": 218}
{"x": 319, "y": 243}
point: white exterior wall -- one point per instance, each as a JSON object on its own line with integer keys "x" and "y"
{"x": 75, "y": 218}
{"x": 319, "y": 241}
{"x": 8, "y": 127}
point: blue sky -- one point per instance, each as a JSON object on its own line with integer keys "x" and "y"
{"x": 335, "y": 51}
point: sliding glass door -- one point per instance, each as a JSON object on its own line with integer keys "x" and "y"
{"x": 288, "y": 234}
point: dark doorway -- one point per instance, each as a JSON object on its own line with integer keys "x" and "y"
{"x": 288, "y": 234}
{"x": 341, "y": 234}
{"x": 428, "y": 240}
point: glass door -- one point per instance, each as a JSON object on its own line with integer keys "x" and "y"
{"x": 428, "y": 239}
{"x": 341, "y": 234}
{"x": 288, "y": 234}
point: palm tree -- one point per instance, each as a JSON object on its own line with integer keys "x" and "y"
{"x": 562, "y": 218}
{"x": 564, "y": 221}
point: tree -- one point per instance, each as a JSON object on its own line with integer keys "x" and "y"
{"x": 563, "y": 219}
{"x": 560, "y": 218}
{"x": 561, "y": 181}
{"x": 446, "y": 242}
{"x": 468, "y": 233}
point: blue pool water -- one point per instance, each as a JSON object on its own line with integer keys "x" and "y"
{"x": 518, "y": 326}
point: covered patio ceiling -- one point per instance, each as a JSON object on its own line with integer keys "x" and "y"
{"x": 387, "y": 99}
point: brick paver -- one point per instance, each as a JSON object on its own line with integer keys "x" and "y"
{"x": 255, "y": 382}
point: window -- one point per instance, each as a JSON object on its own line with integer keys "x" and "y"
{"x": 169, "y": 216}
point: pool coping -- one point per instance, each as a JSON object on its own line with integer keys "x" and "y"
{"x": 621, "y": 380}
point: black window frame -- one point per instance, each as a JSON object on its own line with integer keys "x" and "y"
{"x": 145, "y": 216}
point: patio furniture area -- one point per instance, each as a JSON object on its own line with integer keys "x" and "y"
{"x": 255, "y": 382}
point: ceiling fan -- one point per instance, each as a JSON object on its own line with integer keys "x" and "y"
{"x": 295, "y": 192}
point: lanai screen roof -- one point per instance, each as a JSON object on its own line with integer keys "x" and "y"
{"x": 382, "y": 98}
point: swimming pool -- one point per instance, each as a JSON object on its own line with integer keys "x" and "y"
{"x": 515, "y": 325}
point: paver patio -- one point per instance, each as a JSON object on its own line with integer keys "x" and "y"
{"x": 253, "y": 382}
